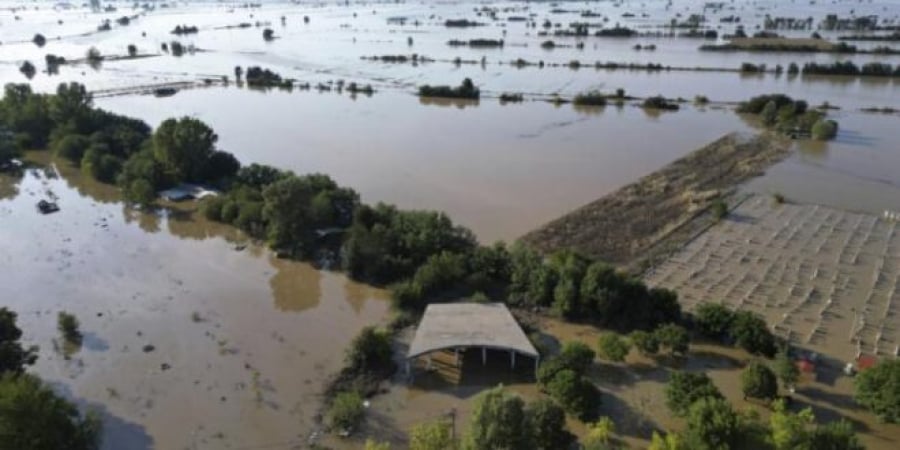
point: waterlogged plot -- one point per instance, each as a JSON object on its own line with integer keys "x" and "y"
{"x": 827, "y": 279}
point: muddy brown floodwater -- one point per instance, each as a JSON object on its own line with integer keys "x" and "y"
{"x": 188, "y": 342}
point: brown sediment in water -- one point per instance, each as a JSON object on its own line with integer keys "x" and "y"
{"x": 664, "y": 209}
{"x": 194, "y": 337}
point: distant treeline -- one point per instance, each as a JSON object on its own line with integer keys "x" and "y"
{"x": 843, "y": 68}
{"x": 841, "y": 47}
{"x": 484, "y": 43}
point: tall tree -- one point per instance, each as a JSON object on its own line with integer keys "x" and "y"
{"x": 758, "y": 381}
{"x": 184, "y": 146}
{"x": 686, "y": 388}
{"x": 434, "y": 435}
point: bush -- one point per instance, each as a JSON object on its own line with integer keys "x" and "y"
{"x": 346, "y": 411}
{"x": 719, "y": 209}
{"x": 645, "y": 342}
{"x": 39, "y": 40}
{"x": 370, "y": 351}
{"x": 824, "y": 130}
{"x": 713, "y": 320}
{"x": 576, "y": 356}
{"x": 758, "y": 381}
{"x": 71, "y": 147}
{"x": 686, "y": 388}
{"x": 466, "y": 90}
{"x": 660, "y": 102}
{"x": 674, "y": 337}
{"x": 712, "y": 424}
{"x": 878, "y": 389}
{"x": 590, "y": 98}
{"x": 751, "y": 333}
{"x": 612, "y": 347}
{"x": 68, "y": 326}
{"x": 576, "y": 394}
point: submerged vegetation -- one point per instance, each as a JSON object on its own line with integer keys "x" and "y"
{"x": 466, "y": 90}
{"x": 788, "y": 116}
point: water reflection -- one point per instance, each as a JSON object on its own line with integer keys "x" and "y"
{"x": 459, "y": 103}
{"x": 295, "y": 287}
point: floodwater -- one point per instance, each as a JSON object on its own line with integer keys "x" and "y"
{"x": 241, "y": 342}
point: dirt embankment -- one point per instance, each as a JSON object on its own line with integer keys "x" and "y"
{"x": 648, "y": 219}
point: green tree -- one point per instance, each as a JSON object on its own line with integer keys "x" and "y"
{"x": 769, "y": 114}
{"x": 370, "y": 350}
{"x": 68, "y": 326}
{"x": 751, "y": 333}
{"x": 645, "y": 342}
{"x": 434, "y": 435}
{"x": 824, "y": 129}
{"x": 184, "y": 146}
{"x": 547, "y": 422}
{"x": 498, "y": 421}
{"x": 576, "y": 356}
{"x": 373, "y": 445}
{"x": 713, "y": 319}
{"x": 838, "y": 435}
{"x": 674, "y": 337}
{"x": 786, "y": 370}
{"x": 599, "y": 434}
{"x": 712, "y": 425}
{"x": 13, "y": 357}
{"x": 33, "y": 417}
{"x": 612, "y": 347}
{"x": 686, "y": 388}
{"x": 670, "y": 441}
{"x": 878, "y": 389}
{"x": 789, "y": 430}
{"x": 758, "y": 381}
{"x": 577, "y": 395}
{"x": 346, "y": 411}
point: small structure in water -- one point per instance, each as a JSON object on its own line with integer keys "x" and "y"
{"x": 45, "y": 207}
{"x": 186, "y": 191}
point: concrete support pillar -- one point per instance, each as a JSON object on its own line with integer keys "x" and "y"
{"x": 537, "y": 362}
{"x": 512, "y": 357}
{"x": 483, "y": 356}
{"x": 456, "y": 357}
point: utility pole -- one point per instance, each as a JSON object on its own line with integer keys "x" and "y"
{"x": 452, "y": 415}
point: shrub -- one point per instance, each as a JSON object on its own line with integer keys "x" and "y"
{"x": 576, "y": 394}
{"x": 719, "y": 209}
{"x": 751, "y": 333}
{"x": 39, "y": 40}
{"x": 68, "y": 325}
{"x": 824, "y": 130}
{"x": 590, "y": 98}
{"x": 132, "y": 50}
{"x": 685, "y": 388}
{"x": 645, "y": 342}
{"x": 576, "y": 356}
{"x": 878, "y": 389}
{"x": 466, "y": 90}
{"x": 370, "y": 351}
{"x": 713, "y": 319}
{"x": 612, "y": 347}
{"x": 674, "y": 337}
{"x": 346, "y": 411}
{"x": 660, "y": 102}
{"x": 758, "y": 381}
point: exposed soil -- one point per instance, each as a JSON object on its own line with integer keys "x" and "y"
{"x": 648, "y": 219}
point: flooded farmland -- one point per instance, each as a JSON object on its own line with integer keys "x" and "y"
{"x": 198, "y": 337}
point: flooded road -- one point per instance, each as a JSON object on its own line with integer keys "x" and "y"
{"x": 188, "y": 343}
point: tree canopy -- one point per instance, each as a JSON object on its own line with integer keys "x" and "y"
{"x": 685, "y": 388}
{"x": 878, "y": 389}
{"x": 13, "y": 357}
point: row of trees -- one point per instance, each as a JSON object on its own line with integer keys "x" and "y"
{"x": 32, "y": 415}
